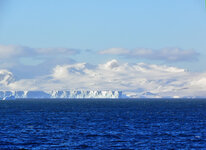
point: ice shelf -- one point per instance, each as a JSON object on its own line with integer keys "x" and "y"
{"x": 8, "y": 95}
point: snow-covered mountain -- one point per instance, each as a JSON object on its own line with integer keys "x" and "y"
{"x": 4, "y": 95}
{"x": 6, "y": 77}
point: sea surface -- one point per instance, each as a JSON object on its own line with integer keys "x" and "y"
{"x": 103, "y": 124}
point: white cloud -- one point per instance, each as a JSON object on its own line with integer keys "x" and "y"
{"x": 27, "y": 62}
{"x": 8, "y": 51}
{"x": 165, "y": 54}
{"x": 57, "y": 51}
{"x": 59, "y": 71}
{"x": 115, "y": 51}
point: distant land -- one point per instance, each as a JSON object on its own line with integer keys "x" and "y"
{"x": 9, "y": 95}
{"x": 75, "y": 94}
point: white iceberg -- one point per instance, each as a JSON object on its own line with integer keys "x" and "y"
{"x": 7, "y": 95}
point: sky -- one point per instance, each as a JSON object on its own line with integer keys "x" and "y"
{"x": 136, "y": 46}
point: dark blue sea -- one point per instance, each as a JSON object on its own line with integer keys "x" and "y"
{"x": 103, "y": 124}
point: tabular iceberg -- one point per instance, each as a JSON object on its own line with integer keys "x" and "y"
{"x": 8, "y": 95}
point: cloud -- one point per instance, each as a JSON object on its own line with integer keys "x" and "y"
{"x": 54, "y": 69}
{"x": 8, "y": 51}
{"x": 136, "y": 80}
{"x": 115, "y": 51}
{"x": 54, "y": 51}
{"x": 27, "y": 62}
{"x": 165, "y": 54}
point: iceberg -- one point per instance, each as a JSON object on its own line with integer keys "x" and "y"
{"x": 10, "y": 95}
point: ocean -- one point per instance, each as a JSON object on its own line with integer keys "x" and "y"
{"x": 103, "y": 124}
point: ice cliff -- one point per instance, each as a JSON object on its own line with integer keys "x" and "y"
{"x": 4, "y": 95}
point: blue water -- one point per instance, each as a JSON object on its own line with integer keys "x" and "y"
{"x": 103, "y": 124}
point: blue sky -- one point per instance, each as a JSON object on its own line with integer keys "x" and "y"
{"x": 104, "y": 24}
{"x": 99, "y": 25}
{"x": 160, "y": 32}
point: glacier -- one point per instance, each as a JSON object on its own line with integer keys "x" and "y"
{"x": 9, "y": 95}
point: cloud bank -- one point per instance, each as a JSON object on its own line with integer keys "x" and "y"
{"x": 165, "y": 54}
{"x": 27, "y": 62}
{"x": 26, "y": 68}
{"x": 12, "y": 51}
